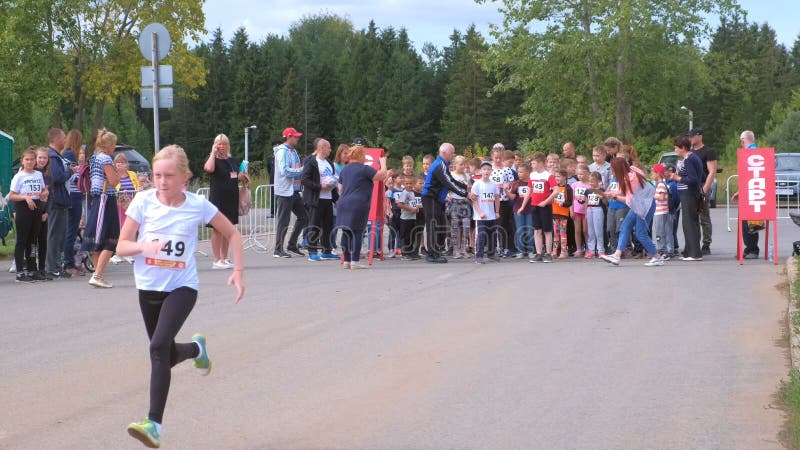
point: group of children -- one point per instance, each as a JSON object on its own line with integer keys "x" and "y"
{"x": 540, "y": 207}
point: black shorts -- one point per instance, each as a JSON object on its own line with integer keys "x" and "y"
{"x": 543, "y": 218}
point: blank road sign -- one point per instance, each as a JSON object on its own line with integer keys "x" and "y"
{"x": 164, "y": 98}
{"x": 164, "y": 75}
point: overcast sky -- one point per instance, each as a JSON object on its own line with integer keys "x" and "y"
{"x": 426, "y": 21}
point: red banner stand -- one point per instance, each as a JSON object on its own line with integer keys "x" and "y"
{"x": 756, "y": 169}
{"x": 373, "y": 158}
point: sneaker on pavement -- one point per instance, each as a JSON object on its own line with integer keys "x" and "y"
{"x": 295, "y": 251}
{"x": 611, "y": 259}
{"x": 547, "y": 258}
{"x": 589, "y": 255}
{"x": 328, "y": 256}
{"x": 202, "y": 362}
{"x": 537, "y": 258}
{"x": 37, "y": 276}
{"x": 115, "y": 259}
{"x": 706, "y": 250}
{"x": 689, "y": 258}
{"x": 479, "y": 260}
{"x": 48, "y": 276}
{"x": 98, "y": 281}
{"x": 281, "y": 254}
{"x": 436, "y": 259}
{"x": 219, "y": 265}
{"x": 655, "y": 261}
{"x": 358, "y": 266}
{"x": 24, "y": 277}
{"x": 146, "y": 432}
{"x": 751, "y": 256}
{"x": 346, "y": 265}
{"x": 314, "y": 257}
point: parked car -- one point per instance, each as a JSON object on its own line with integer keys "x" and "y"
{"x": 672, "y": 158}
{"x": 787, "y": 174}
{"x": 136, "y": 162}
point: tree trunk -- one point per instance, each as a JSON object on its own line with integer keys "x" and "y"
{"x": 586, "y": 22}
{"x": 80, "y": 111}
{"x": 622, "y": 124}
{"x": 98, "y": 115}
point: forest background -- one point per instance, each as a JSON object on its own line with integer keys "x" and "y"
{"x": 553, "y": 71}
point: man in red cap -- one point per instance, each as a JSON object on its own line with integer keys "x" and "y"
{"x": 288, "y": 172}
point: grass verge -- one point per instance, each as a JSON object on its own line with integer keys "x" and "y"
{"x": 790, "y": 391}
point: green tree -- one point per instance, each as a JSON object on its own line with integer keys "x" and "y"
{"x": 584, "y": 65}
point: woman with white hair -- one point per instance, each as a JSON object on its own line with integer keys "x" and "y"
{"x": 224, "y": 194}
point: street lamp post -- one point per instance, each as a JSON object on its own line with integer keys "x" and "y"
{"x": 691, "y": 116}
{"x": 247, "y": 144}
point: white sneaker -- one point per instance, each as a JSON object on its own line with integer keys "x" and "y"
{"x": 655, "y": 261}
{"x": 116, "y": 259}
{"x": 98, "y": 281}
{"x": 219, "y": 265}
{"x": 13, "y": 267}
{"x": 228, "y": 263}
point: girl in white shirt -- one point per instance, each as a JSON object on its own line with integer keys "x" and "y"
{"x": 166, "y": 220}
{"x": 27, "y": 188}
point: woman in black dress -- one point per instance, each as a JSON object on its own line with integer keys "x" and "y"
{"x": 356, "y": 184}
{"x": 224, "y": 194}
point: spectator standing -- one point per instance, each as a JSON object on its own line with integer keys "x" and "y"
{"x": 438, "y": 182}
{"x": 690, "y": 181}
{"x": 59, "y": 203}
{"x": 127, "y": 187}
{"x": 709, "y": 159}
{"x": 75, "y": 155}
{"x": 102, "y": 223}
{"x": 288, "y": 172}
{"x": 354, "y": 204}
{"x": 224, "y": 194}
{"x": 749, "y": 234}
{"x": 319, "y": 194}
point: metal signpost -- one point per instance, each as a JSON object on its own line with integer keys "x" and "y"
{"x": 154, "y": 43}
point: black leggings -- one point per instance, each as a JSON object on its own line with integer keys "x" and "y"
{"x": 164, "y": 314}
{"x": 28, "y": 223}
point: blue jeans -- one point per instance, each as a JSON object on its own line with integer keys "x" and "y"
{"x": 524, "y": 235}
{"x": 73, "y": 223}
{"x": 642, "y": 229}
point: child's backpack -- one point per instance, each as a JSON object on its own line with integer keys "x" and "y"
{"x": 5, "y": 225}
{"x": 84, "y": 181}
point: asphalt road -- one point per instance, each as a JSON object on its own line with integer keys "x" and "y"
{"x": 574, "y": 354}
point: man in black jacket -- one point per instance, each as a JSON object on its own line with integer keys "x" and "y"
{"x": 434, "y": 194}
{"x": 319, "y": 182}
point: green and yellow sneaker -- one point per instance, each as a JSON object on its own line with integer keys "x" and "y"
{"x": 202, "y": 362}
{"x": 146, "y": 432}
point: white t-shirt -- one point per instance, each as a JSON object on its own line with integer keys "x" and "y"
{"x": 326, "y": 177}
{"x": 407, "y": 198}
{"x": 486, "y": 192}
{"x": 28, "y": 183}
{"x": 174, "y": 266}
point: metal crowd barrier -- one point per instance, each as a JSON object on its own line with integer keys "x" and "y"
{"x": 257, "y": 227}
{"x": 787, "y": 198}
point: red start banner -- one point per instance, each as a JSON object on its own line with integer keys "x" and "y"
{"x": 757, "y": 184}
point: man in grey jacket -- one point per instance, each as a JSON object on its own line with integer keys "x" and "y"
{"x": 288, "y": 172}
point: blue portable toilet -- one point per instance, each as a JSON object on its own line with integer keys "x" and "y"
{"x": 6, "y": 158}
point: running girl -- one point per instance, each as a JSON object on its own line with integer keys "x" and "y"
{"x": 166, "y": 219}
